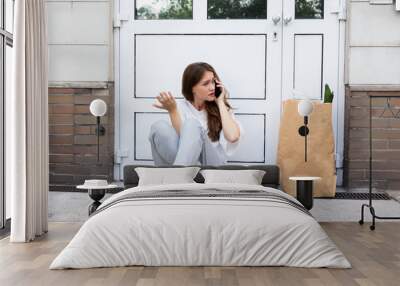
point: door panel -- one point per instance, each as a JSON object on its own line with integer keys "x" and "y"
{"x": 311, "y": 51}
{"x": 308, "y": 67}
{"x": 160, "y": 60}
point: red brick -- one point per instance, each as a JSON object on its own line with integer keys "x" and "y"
{"x": 364, "y": 122}
{"x": 358, "y": 183}
{"x": 376, "y": 184}
{"x": 78, "y": 169}
{"x": 60, "y": 99}
{"x": 89, "y": 120}
{"x": 394, "y": 123}
{"x": 61, "y": 158}
{"x": 61, "y": 119}
{"x": 386, "y": 154}
{"x": 386, "y": 175}
{"x": 378, "y": 102}
{"x": 386, "y": 143}
{"x": 61, "y": 149}
{"x": 358, "y": 164}
{"x": 393, "y": 185}
{"x": 383, "y": 133}
{"x": 87, "y": 99}
{"x": 359, "y": 154}
{"x": 61, "y": 109}
{"x": 394, "y": 144}
{"x": 71, "y": 162}
{"x": 61, "y": 130}
{"x": 363, "y": 144}
{"x": 359, "y": 101}
{"x": 358, "y": 113}
{"x": 62, "y": 179}
{"x": 91, "y": 159}
{"x": 83, "y": 130}
{"x": 358, "y": 133}
{"x": 384, "y": 123}
{"x": 82, "y": 149}
{"x": 376, "y": 164}
{"x": 385, "y": 165}
{"x": 357, "y": 174}
{"x": 88, "y": 139}
{"x": 387, "y": 93}
{"x": 84, "y": 119}
{"x": 61, "y": 139}
{"x": 84, "y": 109}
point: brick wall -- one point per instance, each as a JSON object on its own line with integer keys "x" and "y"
{"x": 73, "y": 141}
{"x": 385, "y": 140}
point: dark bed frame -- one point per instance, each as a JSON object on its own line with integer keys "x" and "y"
{"x": 270, "y": 179}
{"x": 131, "y": 179}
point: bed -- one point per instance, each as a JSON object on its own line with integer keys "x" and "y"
{"x": 197, "y": 224}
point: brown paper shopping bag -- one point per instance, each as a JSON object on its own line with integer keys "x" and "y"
{"x": 321, "y": 148}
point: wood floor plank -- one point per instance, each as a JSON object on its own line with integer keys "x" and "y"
{"x": 374, "y": 255}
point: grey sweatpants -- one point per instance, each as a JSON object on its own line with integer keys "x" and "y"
{"x": 192, "y": 146}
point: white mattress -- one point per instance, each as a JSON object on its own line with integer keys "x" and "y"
{"x": 201, "y": 231}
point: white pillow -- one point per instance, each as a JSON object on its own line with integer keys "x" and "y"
{"x": 249, "y": 177}
{"x": 164, "y": 176}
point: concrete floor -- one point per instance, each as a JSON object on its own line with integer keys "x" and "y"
{"x": 72, "y": 207}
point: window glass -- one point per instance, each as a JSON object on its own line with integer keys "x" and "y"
{"x": 1, "y": 15}
{"x": 163, "y": 9}
{"x": 9, "y": 9}
{"x": 7, "y": 78}
{"x": 237, "y": 9}
{"x": 309, "y": 9}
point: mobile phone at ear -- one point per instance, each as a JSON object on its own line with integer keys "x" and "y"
{"x": 217, "y": 90}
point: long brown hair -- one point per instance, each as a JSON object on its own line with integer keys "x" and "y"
{"x": 191, "y": 76}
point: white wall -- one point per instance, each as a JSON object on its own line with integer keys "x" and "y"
{"x": 80, "y": 41}
{"x": 374, "y": 44}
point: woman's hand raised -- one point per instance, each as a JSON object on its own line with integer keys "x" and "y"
{"x": 165, "y": 101}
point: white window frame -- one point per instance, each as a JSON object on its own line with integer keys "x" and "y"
{"x": 6, "y": 39}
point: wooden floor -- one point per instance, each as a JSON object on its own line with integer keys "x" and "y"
{"x": 375, "y": 257}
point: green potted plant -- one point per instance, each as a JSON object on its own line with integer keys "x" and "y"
{"x": 328, "y": 94}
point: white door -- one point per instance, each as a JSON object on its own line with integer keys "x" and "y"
{"x": 246, "y": 50}
{"x": 311, "y": 47}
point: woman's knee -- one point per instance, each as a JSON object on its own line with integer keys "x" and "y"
{"x": 159, "y": 128}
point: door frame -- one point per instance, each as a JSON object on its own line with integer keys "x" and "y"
{"x": 119, "y": 18}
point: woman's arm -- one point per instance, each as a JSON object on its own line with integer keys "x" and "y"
{"x": 175, "y": 119}
{"x": 229, "y": 126}
{"x": 167, "y": 101}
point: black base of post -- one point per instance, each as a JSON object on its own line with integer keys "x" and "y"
{"x": 95, "y": 195}
{"x": 374, "y": 216}
{"x": 93, "y": 207}
{"x": 304, "y": 194}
